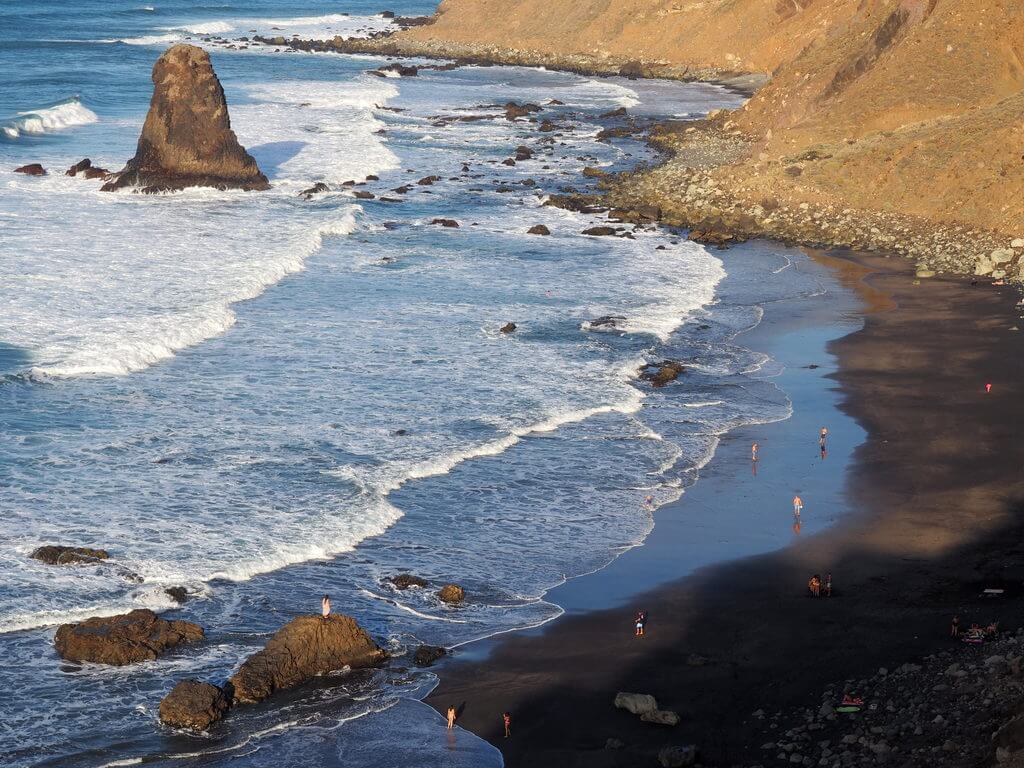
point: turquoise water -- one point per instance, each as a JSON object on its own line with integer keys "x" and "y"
{"x": 263, "y": 398}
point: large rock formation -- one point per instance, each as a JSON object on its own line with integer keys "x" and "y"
{"x": 187, "y": 139}
{"x": 194, "y": 704}
{"x": 302, "y": 649}
{"x": 55, "y": 554}
{"x": 137, "y": 636}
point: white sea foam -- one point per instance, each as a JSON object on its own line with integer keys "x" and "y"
{"x": 54, "y": 117}
{"x": 316, "y": 27}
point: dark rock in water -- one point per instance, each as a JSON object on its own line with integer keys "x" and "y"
{"x": 513, "y": 110}
{"x": 177, "y": 594}
{"x": 607, "y": 321}
{"x": 187, "y": 139}
{"x": 32, "y": 169}
{"x": 639, "y": 215}
{"x": 303, "y": 648}
{"x": 538, "y": 229}
{"x": 387, "y": 14}
{"x": 372, "y": 177}
{"x": 508, "y": 161}
{"x": 577, "y": 203}
{"x": 593, "y": 173}
{"x": 96, "y": 172}
{"x": 194, "y": 704}
{"x": 405, "y": 188}
{"x": 400, "y": 432}
{"x": 57, "y": 555}
{"x": 523, "y": 153}
{"x": 508, "y": 327}
{"x": 451, "y": 223}
{"x": 316, "y": 189}
{"x": 660, "y": 374}
{"x": 555, "y": 103}
{"x": 600, "y": 231}
{"x": 406, "y": 580}
{"x": 546, "y": 126}
{"x": 401, "y": 69}
{"x": 131, "y": 637}
{"x": 78, "y": 167}
{"x": 620, "y": 112}
{"x": 427, "y": 654}
{"x": 426, "y": 181}
{"x": 361, "y": 195}
{"x": 452, "y": 593}
{"x": 614, "y": 133}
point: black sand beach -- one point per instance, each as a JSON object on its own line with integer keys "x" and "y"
{"x": 934, "y": 517}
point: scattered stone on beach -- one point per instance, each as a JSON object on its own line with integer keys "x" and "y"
{"x": 601, "y": 231}
{"x": 452, "y": 593}
{"x": 194, "y": 704}
{"x": 406, "y": 580}
{"x": 316, "y": 189}
{"x": 303, "y": 648}
{"x": 513, "y": 110}
{"x": 636, "y": 703}
{"x": 32, "y": 169}
{"x": 140, "y": 635}
{"x": 187, "y": 139}
{"x": 427, "y": 654}
{"x": 508, "y": 327}
{"x": 677, "y": 757}
{"x": 538, "y": 229}
{"x": 661, "y": 717}
{"x": 660, "y": 374}
{"x": 449, "y": 223}
{"x": 177, "y": 594}
{"x": 78, "y": 167}
{"x": 52, "y": 554}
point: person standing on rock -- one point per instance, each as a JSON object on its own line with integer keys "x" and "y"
{"x": 451, "y": 718}
{"x": 325, "y": 606}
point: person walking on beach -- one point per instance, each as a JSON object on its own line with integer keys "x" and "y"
{"x": 325, "y": 606}
{"x": 753, "y": 452}
{"x": 828, "y": 584}
{"x": 507, "y": 719}
{"x": 954, "y": 627}
{"x": 798, "y": 505}
{"x": 451, "y": 718}
{"x": 641, "y": 619}
{"x": 822, "y": 439}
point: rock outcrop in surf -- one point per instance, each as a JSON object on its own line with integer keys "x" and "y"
{"x": 194, "y": 704}
{"x": 187, "y": 139}
{"x": 303, "y": 648}
{"x": 140, "y": 635}
{"x": 56, "y": 554}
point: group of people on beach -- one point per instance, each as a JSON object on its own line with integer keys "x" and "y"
{"x": 818, "y": 588}
{"x": 453, "y": 714}
{"x": 975, "y": 633}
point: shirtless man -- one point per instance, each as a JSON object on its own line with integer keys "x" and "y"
{"x": 798, "y": 505}
{"x": 451, "y": 718}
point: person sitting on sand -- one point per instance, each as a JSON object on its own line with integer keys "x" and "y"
{"x": 451, "y": 718}
{"x": 954, "y": 627}
{"x": 507, "y": 719}
{"x": 325, "y": 606}
{"x": 852, "y": 701}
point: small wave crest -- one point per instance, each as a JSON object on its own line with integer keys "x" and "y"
{"x": 53, "y": 117}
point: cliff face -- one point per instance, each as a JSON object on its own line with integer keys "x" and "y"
{"x": 901, "y": 106}
{"x": 187, "y": 138}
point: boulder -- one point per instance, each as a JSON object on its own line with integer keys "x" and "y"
{"x": 593, "y": 173}
{"x": 600, "y": 231}
{"x": 194, "y": 704}
{"x": 32, "y": 169}
{"x": 450, "y": 223}
{"x": 508, "y": 327}
{"x": 177, "y": 594}
{"x": 660, "y": 717}
{"x": 577, "y": 203}
{"x": 406, "y": 580}
{"x": 427, "y": 654}
{"x": 452, "y": 593}
{"x": 677, "y": 757}
{"x": 426, "y": 181}
{"x": 632, "y": 69}
{"x": 303, "y": 648}
{"x": 508, "y": 161}
{"x": 620, "y": 112}
{"x": 660, "y": 374}
{"x": 513, "y": 110}
{"x": 636, "y": 703}
{"x": 316, "y": 189}
{"x": 140, "y": 635}
{"x": 78, "y": 167}
{"x": 538, "y": 229}
{"x": 187, "y": 139}
{"x": 96, "y": 172}
{"x": 53, "y": 554}
{"x": 606, "y": 321}
{"x": 360, "y": 194}
{"x": 400, "y": 69}
{"x": 523, "y": 153}
{"x": 546, "y": 126}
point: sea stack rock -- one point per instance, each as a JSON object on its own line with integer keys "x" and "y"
{"x": 302, "y": 649}
{"x": 187, "y": 139}
{"x": 140, "y": 635}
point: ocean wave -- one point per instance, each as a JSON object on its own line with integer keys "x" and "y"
{"x": 53, "y": 117}
{"x": 326, "y": 26}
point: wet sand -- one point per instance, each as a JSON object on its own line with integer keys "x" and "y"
{"x": 913, "y": 523}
